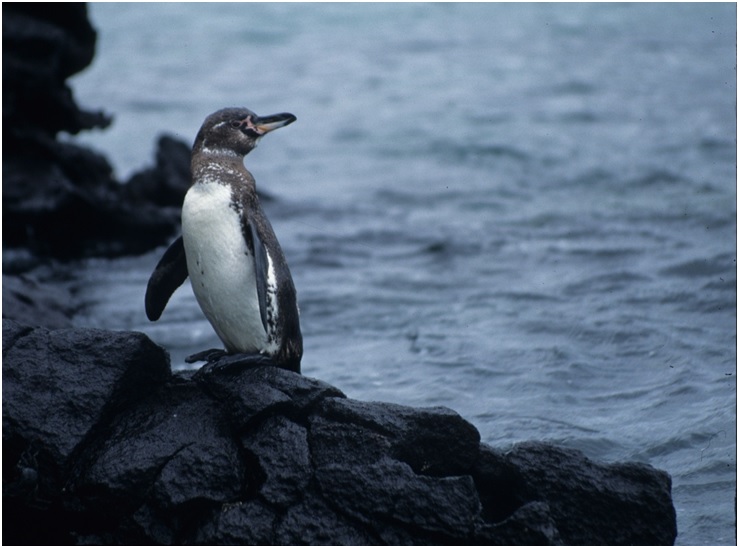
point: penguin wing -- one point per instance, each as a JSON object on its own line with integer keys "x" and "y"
{"x": 261, "y": 268}
{"x": 168, "y": 275}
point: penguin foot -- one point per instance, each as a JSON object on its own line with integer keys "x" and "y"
{"x": 209, "y": 355}
{"x": 231, "y": 363}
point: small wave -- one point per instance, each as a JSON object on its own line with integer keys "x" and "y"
{"x": 657, "y": 177}
{"x": 526, "y": 296}
{"x": 581, "y": 116}
{"x": 574, "y": 87}
{"x": 691, "y": 442}
{"x": 607, "y": 283}
{"x": 724, "y": 149}
{"x": 606, "y": 253}
{"x": 706, "y": 267}
{"x": 157, "y": 105}
{"x": 723, "y": 283}
{"x": 477, "y": 152}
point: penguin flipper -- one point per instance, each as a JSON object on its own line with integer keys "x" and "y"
{"x": 261, "y": 269}
{"x": 168, "y": 275}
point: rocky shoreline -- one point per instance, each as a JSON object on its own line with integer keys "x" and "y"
{"x": 103, "y": 444}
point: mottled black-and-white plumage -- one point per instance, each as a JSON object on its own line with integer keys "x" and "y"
{"x": 236, "y": 267}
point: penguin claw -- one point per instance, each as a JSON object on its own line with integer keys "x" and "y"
{"x": 208, "y": 355}
{"x": 234, "y": 363}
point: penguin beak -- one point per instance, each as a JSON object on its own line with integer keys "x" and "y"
{"x": 265, "y": 124}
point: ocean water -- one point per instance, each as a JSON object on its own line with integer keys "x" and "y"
{"x": 523, "y": 212}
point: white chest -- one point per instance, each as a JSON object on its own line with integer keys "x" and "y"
{"x": 221, "y": 268}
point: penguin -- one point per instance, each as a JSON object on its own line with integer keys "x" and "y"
{"x": 237, "y": 269}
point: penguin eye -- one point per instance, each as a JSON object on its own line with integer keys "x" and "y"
{"x": 236, "y": 124}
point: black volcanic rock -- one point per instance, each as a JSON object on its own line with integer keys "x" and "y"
{"x": 579, "y": 491}
{"x": 104, "y": 446}
{"x": 59, "y": 199}
{"x": 166, "y": 183}
{"x": 61, "y": 388}
{"x": 41, "y": 49}
{"x": 30, "y": 301}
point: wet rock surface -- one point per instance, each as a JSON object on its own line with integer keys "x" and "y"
{"x": 30, "y": 300}
{"x": 105, "y": 445}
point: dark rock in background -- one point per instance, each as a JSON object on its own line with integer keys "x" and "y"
{"x": 104, "y": 446}
{"x": 166, "y": 183}
{"x": 41, "y": 49}
{"x": 31, "y": 302}
{"x": 59, "y": 199}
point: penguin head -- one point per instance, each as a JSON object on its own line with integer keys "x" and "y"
{"x": 237, "y": 130}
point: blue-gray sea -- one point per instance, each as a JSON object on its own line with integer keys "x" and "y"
{"x": 523, "y": 212}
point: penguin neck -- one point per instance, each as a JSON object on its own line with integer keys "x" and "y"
{"x": 208, "y": 154}
{"x": 219, "y": 163}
